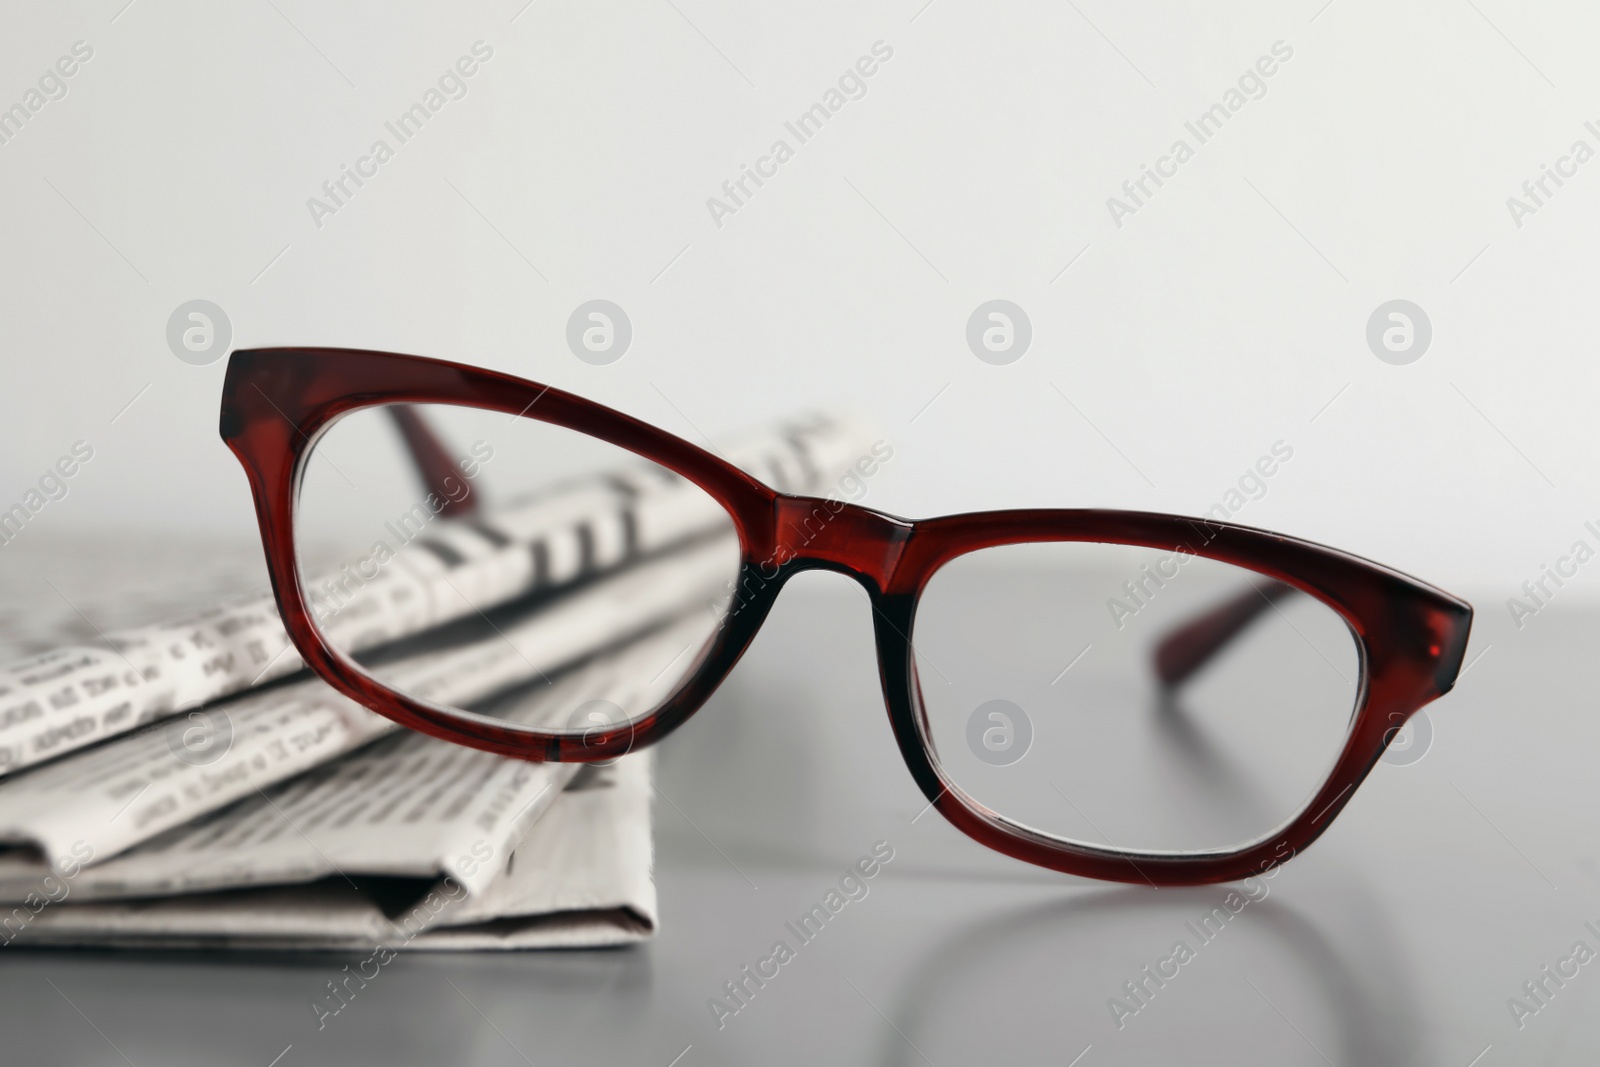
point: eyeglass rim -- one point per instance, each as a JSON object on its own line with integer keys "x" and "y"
{"x": 276, "y": 401}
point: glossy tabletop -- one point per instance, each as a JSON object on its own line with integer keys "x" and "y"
{"x": 1401, "y": 937}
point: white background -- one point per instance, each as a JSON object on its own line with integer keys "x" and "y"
{"x": 1224, "y": 316}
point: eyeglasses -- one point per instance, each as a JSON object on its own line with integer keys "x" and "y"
{"x": 1120, "y": 695}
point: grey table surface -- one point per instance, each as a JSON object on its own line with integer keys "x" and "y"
{"x": 1398, "y": 938}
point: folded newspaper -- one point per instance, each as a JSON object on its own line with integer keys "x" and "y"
{"x": 188, "y": 784}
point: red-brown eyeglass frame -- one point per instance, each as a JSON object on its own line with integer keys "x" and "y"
{"x": 1411, "y": 636}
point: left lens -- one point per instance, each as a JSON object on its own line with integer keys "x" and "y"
{"x": 547, "y": 578}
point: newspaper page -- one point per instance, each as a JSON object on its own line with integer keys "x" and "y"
{"x": 143, "y": 819}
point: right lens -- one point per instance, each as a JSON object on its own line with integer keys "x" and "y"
{"x": 579, "y": 590}
{"x": 1039, "y": 667}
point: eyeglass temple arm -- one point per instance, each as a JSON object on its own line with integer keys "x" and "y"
{"x": 435, "y": 467}
{"x": 1181, "y": 653}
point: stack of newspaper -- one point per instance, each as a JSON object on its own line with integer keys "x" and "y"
{"x": 189, "y": 784}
